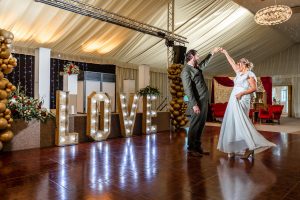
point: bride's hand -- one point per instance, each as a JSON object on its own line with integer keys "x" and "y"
{"x": 222, "y": 50}
{"x": 239, "y": 95}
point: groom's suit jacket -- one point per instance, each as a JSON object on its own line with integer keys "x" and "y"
{"x": 193, "y": 82}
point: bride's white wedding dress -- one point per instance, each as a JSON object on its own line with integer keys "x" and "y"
{"x": 237, "y": 131}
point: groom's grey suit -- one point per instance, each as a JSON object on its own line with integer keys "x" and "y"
{"x": 196, "y": 90}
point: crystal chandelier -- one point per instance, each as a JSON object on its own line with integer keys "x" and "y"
{"x": 273, "y": 15}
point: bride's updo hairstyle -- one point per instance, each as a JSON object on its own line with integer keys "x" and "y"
{"x": 248, "y": 64}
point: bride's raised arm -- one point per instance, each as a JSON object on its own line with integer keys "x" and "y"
{"x": 230, "y": 60}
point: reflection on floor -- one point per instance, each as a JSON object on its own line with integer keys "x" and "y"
{"x": 152, "y": 167}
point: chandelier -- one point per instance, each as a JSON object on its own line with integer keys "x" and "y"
{"x": 273, "y": 15}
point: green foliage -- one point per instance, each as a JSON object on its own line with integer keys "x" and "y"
{"x": 27, "y": 108}
{"x": 149, "y": 91}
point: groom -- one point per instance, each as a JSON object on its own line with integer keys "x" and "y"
{"x": 197, "y": 92}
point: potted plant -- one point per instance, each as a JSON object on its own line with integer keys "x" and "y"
{"x": 70, "y": 78}
{"x": 27, "y": 114}
{"x": 71, "y": 69}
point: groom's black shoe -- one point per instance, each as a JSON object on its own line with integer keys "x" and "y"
{"x": 203, "y": 152}
{"x": 194, "y": 154}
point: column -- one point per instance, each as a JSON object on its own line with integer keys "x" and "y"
{"x": 42, "y": 76}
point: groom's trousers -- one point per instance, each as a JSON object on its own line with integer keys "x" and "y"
{"x": 197, "y": 123}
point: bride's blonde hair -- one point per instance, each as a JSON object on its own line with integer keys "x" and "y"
{"x": 248, "y": 64}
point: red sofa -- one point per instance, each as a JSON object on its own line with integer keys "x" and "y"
{"x": 218, "y": 110}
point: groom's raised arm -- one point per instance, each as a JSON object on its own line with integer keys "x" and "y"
{"x": 203, "y": 64}
{"x": 187, "y": 86}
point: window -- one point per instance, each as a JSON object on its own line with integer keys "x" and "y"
{"x": 283, "y": 94}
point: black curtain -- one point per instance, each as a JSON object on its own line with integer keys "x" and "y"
{"x": 56, "y": 78}
{"x": 23, "y": 73}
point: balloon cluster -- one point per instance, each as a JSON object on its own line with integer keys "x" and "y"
{"x": 177, "y": 104}
{"x": 7, "y": 64}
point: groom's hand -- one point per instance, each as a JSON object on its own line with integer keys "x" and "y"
{"x": 196, "y": 109}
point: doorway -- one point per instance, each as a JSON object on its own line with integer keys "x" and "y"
{"x": 283, "y": 95}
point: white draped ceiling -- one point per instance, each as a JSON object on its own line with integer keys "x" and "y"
{"x": 206, "y": 24}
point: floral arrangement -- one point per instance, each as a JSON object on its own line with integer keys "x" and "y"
{"x": 71, "y": 68}
{"x": 149, "y": 91}
{"x": 27, "y": 108}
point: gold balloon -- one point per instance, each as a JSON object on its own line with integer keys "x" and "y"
{"x": 8, "y": 70}
{"x": 172, "y": 103}
{"x": 6, "y": 136}
{"x": 1, "y": 146}
{"x": 8, "y": 90}
{"x": 182, "y": 123}
{"x": 7, "y": 111}
{"x": 173, "y": 86}
{"x": 173, "y": 92}
{"x": 179, "y": 94}
{"x": 3, "y": 94}
{"x": 5, "y": 54}
{"x": 176, "y": 106}
{"x": 2, "y": 107}
{"x": 171, "y": 109}
{"x": 13, "y": 88}
{"x": 176, "y": 113}
{"x": 2, "y": 85}
{"x": 1, "y": 75}
{"x": 180, "y": 101}
{"x": 179, "y": 118}
{"x": 9, "y": 85}
{"x": 3, "y": 123}
{"x": 5, "y": 101}
{"x": 4, "y": 66}
{"x": 5, "y": 80}
{"x": 178, "y": 88}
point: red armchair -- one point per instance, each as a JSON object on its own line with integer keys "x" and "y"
{"x": 273, "y": 113}
{"x": 218, "y": 110}
{"x": 276, "y": 111}
{"x": 264, "y": 115}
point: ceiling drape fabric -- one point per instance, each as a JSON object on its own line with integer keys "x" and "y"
{"x": 206, "y": 24}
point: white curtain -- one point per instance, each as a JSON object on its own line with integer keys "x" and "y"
{"x": 125, "y": 74}
{"x": 161, "y": 82}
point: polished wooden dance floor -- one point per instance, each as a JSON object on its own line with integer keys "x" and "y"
{"x": 151, "y": 167}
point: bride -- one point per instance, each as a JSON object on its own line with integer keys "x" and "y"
{"x": 238, "y": 134}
